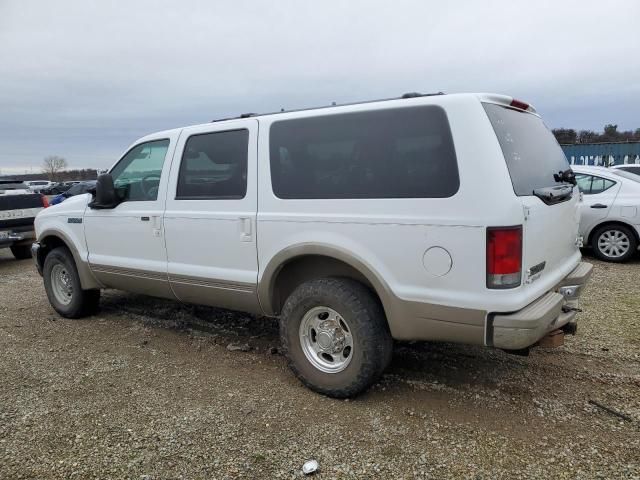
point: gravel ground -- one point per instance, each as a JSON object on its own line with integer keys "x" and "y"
{"x": 147, "y": 389}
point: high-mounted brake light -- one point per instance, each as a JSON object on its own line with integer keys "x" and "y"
{"x": 504, "y": 257}
{"x": 45, "y": 200}
{"x": 518, "y": 104}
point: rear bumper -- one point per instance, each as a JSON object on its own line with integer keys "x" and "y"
{"x": 16, "y": 235}
{"x": 521, "y": 329}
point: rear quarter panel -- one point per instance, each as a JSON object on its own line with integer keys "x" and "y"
{"x": 392, "y": 235}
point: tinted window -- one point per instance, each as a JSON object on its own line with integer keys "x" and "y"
{"x": 214, "y": 166}
{"x": 397, "y": 153}
{"x": 590, "y": 184}
{"x": 137, "y": 175}
{"x": 530, "y": 149}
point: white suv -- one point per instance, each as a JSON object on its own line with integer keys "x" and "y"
{"x": 427, "y": 217}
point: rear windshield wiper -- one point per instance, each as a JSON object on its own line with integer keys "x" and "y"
{"x": 566, "y": 176}
{"x": 553, "y": 195}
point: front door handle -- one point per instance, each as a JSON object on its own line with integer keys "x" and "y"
{"x": 598, "y": 205}
{"x": 144, "y": 219}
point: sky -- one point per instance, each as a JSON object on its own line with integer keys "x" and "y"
{"x": 84, "y": 79}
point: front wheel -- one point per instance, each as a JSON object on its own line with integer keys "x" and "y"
{"x": 335, "y": 336}
{"x": 62, "y": 284}
{"x": 614, "y": 243}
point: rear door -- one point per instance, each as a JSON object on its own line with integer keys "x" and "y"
{"x": 598, "y": 195}
{"x": 210, "y": 217}
{"x": 533, "y": 156}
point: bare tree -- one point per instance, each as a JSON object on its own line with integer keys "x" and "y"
{"x": 52, "y": 165}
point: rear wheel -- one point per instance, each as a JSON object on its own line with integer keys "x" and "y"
{"x": 62, "y": 284}
{"x": 335, "y": 336}
{"x": 21, "y": 252}
{"x": 614, "y": 243}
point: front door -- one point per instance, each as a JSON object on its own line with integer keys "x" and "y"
{"x": 210, "y": 217}
{"x": 126, "y": 243}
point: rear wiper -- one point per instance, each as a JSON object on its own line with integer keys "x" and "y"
{"x": 566, "y": 176}
{"x": 553, "y": 195}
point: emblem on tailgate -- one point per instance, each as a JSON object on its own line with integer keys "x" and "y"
{"x": 533, "y": 273}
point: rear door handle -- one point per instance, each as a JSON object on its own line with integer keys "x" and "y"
{"x": 144, "y": 219}
{"x": 598, "y": 205}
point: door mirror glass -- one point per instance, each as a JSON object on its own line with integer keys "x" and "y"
{"x": 105, "y": 196}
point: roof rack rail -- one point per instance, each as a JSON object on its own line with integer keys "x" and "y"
{"x": 333, "y": 104}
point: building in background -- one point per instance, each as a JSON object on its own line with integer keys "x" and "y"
{"x": 603, "y": 154}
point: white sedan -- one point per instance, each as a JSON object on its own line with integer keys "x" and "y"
{"x": 610, "y": 211}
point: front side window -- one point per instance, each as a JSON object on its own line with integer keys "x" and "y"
{"x": 136, "y": 177}
{"x": 214, "y": 166}
{"x": 590, "y": 184}
{"x": 393, "y": 153}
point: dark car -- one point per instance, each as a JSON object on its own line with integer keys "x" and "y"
{"x": 77, "y": 189}
{"x": 56, "y": 189}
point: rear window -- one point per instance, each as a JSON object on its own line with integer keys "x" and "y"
{"x": 395, "y": 153}
{"x": 626, "y": 173}
{"x": 633, "y": 170}
{"x": 214, "y": 166}
{"x": 529, "y": 148}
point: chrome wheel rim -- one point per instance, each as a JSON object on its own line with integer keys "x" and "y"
{"x": 326, "y": 339}
{"x": 614, "y": 243}
{"x": 61, "y": 284}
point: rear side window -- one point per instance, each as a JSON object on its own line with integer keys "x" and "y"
{"x": 590, "y": 184}
{"x": 396, "y": 153}
{"x": 529, "y": 148}
{"x": 214, "y": 166}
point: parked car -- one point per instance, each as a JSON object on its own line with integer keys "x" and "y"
{"x": 77, "y": 189}
{"x": 429, "y": 217}
{"x": 630, "y": 167}
{"x": 55, "y": 189}
{"x": 610, "y": 211}
{"x": 37, "y": 186}
{"x": 60, "y": 187}
{"x": 18, "y": 208}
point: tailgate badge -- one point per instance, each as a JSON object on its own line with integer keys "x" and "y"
{"x": 534, "y": 272}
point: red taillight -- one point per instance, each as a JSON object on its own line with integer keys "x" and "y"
{"x": 518, "y": 104}
{"x": 45, "y": 201}
{"x": 504, "y": 256}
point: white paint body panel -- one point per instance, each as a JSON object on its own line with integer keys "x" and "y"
{"x": 622, "y": 201}
{"x": 214, "y": 239}
{"x": 234, "y": 240}
{"x": 119, "y": 238}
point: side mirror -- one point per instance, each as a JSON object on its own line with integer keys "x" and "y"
{"x": 105, "y": 194}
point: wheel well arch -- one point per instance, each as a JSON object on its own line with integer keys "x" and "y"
{"x": 294, "y": 270}
{"x": 48, "y": 243}
{"x": 612, "y": 223}
{"x": 51, "y": 239}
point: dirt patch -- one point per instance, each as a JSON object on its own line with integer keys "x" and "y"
{"x": 148, "y": 389}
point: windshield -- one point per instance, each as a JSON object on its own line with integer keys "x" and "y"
{"x": 531, "y": 151}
